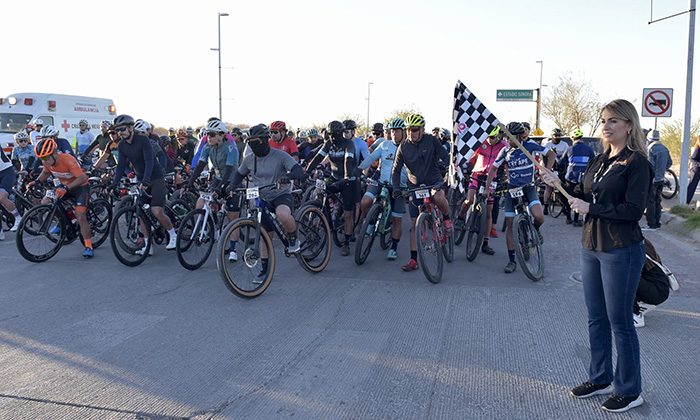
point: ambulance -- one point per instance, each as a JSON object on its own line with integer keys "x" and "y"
{"x": 62, "y": 111}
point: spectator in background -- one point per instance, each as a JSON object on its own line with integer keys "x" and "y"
{"x": 37, "y": 126}
{"x": 83, "y": 138}
{"x": 575, "y": 160}
{"x": 694, "y": 171}
{"x": 660, "y": 160}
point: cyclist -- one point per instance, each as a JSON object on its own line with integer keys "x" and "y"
{"x": 74, "y": 184}
{"x": 422, "y": 155}
{"x": 185, "y": 149}
{"x": 361, "y": 148}
{"x": 62, "y": 145}
{"x": 83, "y": 138}
{"x": 528, "y": 129}
{"x": 521, "y": 173}
{"x": 135, "y": 149}
{"x": 280, "y": 141}
{"x": 308, "y": 148}
{"x": 237, "y": 136}
{"x": 223, "y": 158}
{"x": 385, "y": 154}
{"x": 7, "y": 181}
{"x": 35, "y": 129}
{"x": 559, "y": 148}
{"x": 266, "y": 166}
{"x": 22, "y": 152}
{"x": 575, "y": 160}
{"x": 341, "y": 153}
{"x": 143, "y": 127}
{"x": 171, "y": 134}
{"x": 482, "y": 160}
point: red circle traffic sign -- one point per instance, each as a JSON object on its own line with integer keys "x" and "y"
{"x": 663, "y": 103}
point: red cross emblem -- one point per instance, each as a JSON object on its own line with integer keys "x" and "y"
{"x": 65, "y": 125}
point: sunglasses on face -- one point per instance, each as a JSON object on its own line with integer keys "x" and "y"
{"x": 45, "y": 158}
{"x": 22, "y": 141}
{"x": 274, "y": 132}
{"x": 414, "y": 129}
{"x": 347, "y": 131}
{"x": 121, "y": 129}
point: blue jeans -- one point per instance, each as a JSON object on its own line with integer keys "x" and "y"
{"x": 610, "y": 281}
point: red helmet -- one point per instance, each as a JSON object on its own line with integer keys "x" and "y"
{"x": 278, "y": 126}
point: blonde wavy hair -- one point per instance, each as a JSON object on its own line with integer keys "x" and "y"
{"x": 623, "y": 109}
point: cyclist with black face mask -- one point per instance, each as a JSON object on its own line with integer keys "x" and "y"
{"x": 341, "y": 152}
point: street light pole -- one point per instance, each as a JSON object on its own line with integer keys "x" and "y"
{"x": 539, "y": 96}
{"x": 219, "y": 51}
{"x": 368, "y": 85}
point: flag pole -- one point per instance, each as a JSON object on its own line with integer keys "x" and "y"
{"x": 541, "y": 167}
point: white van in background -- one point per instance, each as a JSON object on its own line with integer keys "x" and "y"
{"x": 62, "y": 111}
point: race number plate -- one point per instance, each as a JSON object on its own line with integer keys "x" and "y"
{"x": 494, "y": 184}
{"x": 205, "y": 196}
{"x": 56, "y": 182}
{"x": 320, "y": 184}
{"x": 133, "y": 180}
{"x": 133, "y": 192}
{"x": 422, "y": 193}
{"x": 518, "y": 192}
{"x": 371, "y": 182}
{"x": 50, "y": 194}
{"x": 481, "y": 189}
{"x": 252, "y": 193}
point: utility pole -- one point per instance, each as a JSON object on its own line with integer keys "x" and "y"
{"x": 368, "y": 85}
{"x": 219, "y": 51}
{"x": 539, "y": 96}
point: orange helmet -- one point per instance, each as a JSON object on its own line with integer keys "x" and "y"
{"x": 45, "y": 147}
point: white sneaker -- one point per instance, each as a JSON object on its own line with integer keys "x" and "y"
{"x": 172, "y": 244}
{"x": 143, "y": 250}
{"x": 645, "y": 307}
{"x": 16, "y": 225}
{"x": 233, "y": 256}
{"x": 2, "y": 233}
{"x": 294, "y": 247}
{"x": 638, "y": 320}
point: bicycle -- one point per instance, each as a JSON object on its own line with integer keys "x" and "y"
{"x": 126, "y": 236}
{"x": 331, "y": 204}
{"x": 251, "y": 276}
{"x": 528, "y": 248}
{"x": 455, "y": 197}
{"x": 432, "y": 239}
{"x": 556, "y": 203}
{"x": 45, "y": 228}
{"x": 670, "y": 185}
{"x": 475, "y": 224}
{"x": 377, "y": 222}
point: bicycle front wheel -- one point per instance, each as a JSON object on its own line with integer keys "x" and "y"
{"x": 251, "y": 275}
{"x": 99, "y": 217}
{"x": 556, "y": 206}
{"x": 314, "y": 235}
{"x": 476, "y": 224}
{"x": 195, "y": 239}
{"x": 39, "y": 234}
{"x": 429, "y": 249}
{"x": 670, "y": 185}
{"x": 368, "y": 233}
{"x": 126, "y": 238}
{"x": 528, "y": 249}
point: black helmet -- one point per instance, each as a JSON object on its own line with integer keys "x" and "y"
{"x": 349, "y": 124}
{"x": 337, "y": 127}
{"x": 526, "y": 124}
{"x": 165, "y": 140}
{"x": 236, "y": 130}
{"x": 557, "y": 132}
{"x": 259, "y": 131}
{"x": 378, "y": 127}
{"x": 123, "y": 119}
{"x": 515, "y": 128}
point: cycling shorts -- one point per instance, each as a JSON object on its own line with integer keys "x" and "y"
{"x": 473, "y": 185}
{"x": 157, "y": 191}
{"x": 233, "y": 203}
{"x": 7, "y": 180}
{"x": 530, "y": 194}
{"x": 80, "y": 195}
{"x": 398, "y": 206}
{"x": 284, "y": 199}
{"x": 350, "y": 192}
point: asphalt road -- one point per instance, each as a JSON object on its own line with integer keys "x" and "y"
{"x": 97, "y": 340}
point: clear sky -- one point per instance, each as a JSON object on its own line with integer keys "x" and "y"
{"x": 310, "y": 61}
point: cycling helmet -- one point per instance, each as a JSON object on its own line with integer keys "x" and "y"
{"x": 124, "y": 119}
{"x": 171, "y": 129}
{"x": 48, "y": 131}
{"x": 38, "y": 122}
{"x": 84, "y": 121}
{"x": 495, "y": 132}
{"x": 397, "y": 124}
{"x": 236, "y": 130}
{"x": 189, "y": 130}
{"x": 437, "y": 130}
{"x": 142, "y": 126}
{"x": 22, "y": 135}
{"x": 577, "y": 134}
{"x": 312, "y": 132}
{"x": 515, "y": 128}
{"x": 278, "y": 126}
{"x": 378, "y": 127}
{"x": 259, "y": 131}
{"x": 105, "y": 123}
{"x": 216, "y": 126}
{"x": 557, "y": 132}
{"x": 304, "y": 135}
{"x": 45, "y": 147}
{"x": 335, "y": 127}
{"x": 445, "y": 133}
{"x": 349, "y": 125}
{"x": 526, "y": 124}
{"x": 386, "y": 126}
{"x": 415, "y": 120}
{"x": 165, "y": 140}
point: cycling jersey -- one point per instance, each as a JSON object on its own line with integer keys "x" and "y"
{"x": 485, "y": 155}
{"x": 140, "y": 154}
{"x": 361, "y": 149}
{"x": 193, "y": 141}
{"x": 5, "y": 162}
{"x": 225, "y": 154}
{"x": 559, "y": 149}
{"x": 385, "y": 153}
{"x": 267, "y": 170}
{"x": 421, "y": 161}
{"x": 23, "y": 154}
{"x": 82, "y": 140}
{"x": 287, "y": 145}
{"x": 575, "y": 159}
{"x": 342, "y": 157}
{"x": 521, "y": 170}
{"x": 66, "y": 169}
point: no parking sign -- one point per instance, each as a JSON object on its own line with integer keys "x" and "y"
{"x": 657, "y": 102}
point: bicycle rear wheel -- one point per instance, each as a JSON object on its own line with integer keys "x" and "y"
{"x": 528, "y": 249}
{"x": 126, "y": 237}
{"x": 314, "y": 235}
{"x": 670, "y": 185}
{"x": 456, "y": 200}
{"x": 448, "y": 245}
{"x": 245, "y": 278}
{"x": 99, "y": 217}
{"x": 35, "y": 240}
{"x": 195, "y": 239}
{"x": 476, "y": 225}
{"x": 428, "y": 247}
{"x": 556, "y": 206}
{"x": 368, "y": 233}
{"x": 337, "y": 222}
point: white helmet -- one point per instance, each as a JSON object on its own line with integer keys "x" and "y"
{"x": 22, "y": 135}
{"x": 84, "y": 121}
{"x": 37, "y": 122}
{"x": 48, "y": 131}
{"x": 217, "y": 126}
{"x": 142, "y": 126}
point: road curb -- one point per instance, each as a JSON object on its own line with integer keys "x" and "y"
{"x": 674, "y": 223}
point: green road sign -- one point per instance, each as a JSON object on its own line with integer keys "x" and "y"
{"x": 524, "y": 95}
